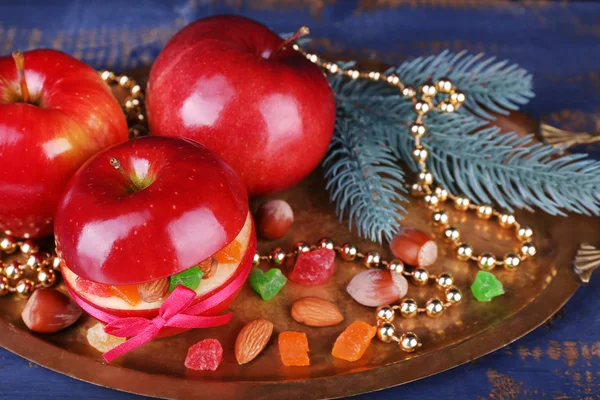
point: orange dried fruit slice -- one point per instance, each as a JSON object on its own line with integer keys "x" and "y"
{"x": 353, "y": 342}
{"x": 129, "y": 294}
{"x": 293, "y": 349}
{"x": 230, "y": 254}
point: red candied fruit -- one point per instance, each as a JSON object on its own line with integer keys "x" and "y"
{"x": 314, "y": 267}
{"x": 205, "y": 355}
{"x": 93, "y": 288}
{"x": 128, "y": 294}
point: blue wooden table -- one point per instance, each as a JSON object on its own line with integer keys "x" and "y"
{"x": 559, "y": 41}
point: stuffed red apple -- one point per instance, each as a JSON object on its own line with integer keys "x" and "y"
{"x": 145, "y": 216}
{"x": 235, "y": 86}
{"x": 55, "y": 112}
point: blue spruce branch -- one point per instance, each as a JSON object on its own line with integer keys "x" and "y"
{"x": 376, "y": 99}
{"x": 494, "y": 86}
{"x": 466, "y": 154}
{"x": 364, "y": 179}
{"x": 507, "y": 169}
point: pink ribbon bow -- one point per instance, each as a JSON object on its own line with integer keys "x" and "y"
{"x": 178, "y": 311}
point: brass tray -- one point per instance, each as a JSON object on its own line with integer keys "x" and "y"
{"x": 470, "y": 330}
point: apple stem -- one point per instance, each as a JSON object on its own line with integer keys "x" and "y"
{"x": 303, "y": 31}
{"x": 117, "y": 165}
{"x": 20, "y": 64}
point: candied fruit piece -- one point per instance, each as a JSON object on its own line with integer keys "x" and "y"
{"x": 189, "y": 278}
{"x": 268, "y": 284}
{"x": 293, "y": 348}
{"x": 88, "y": 287}
{"x": 314, "y": 267}
{"x": 230, "y": 254}
{"x": 101, "y": 340}
{"x": 205, "y": 355}
{"x": 353, "y": 342}
{"x": 376, "y": 287}
{"x": 486, "y": 286}
{"x": 129, "y": 294}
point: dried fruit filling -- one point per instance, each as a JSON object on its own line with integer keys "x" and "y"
{"x": 128, "y": 294}
{"x": 202, "y": 278}
{"x": 232, "y": 253}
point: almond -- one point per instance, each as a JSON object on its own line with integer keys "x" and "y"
{"x": 252, "y": 339}
{"x": 313, "y": 311}
{"x": 208, "y": 267}
{"x": 153, "y": 291}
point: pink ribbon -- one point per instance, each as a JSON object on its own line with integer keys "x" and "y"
{"x": 177, "y": 311}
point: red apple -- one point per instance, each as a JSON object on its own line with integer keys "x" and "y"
{"x": 233, "y": 85}
{"x": 55, "y": 112}
{"x": 146, "y": 210}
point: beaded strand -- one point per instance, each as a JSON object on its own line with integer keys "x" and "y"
{"x": 434, "y": 197}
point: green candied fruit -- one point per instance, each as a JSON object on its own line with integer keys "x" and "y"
{"x": 486, "y": 286}
{"x": 268, "y": 284}
{"x": 189, "y": 278}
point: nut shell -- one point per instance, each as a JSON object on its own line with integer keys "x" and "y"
{"x": 414, "y": 247}
{"x": 49, "y": 311}
{"x": 274, "y": 219}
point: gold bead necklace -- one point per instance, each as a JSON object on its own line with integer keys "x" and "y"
{"x": 39, "y": 269}
{"x": 423, "y": 187}
{"x": 134, "y": 102}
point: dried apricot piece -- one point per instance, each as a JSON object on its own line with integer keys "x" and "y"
{"x": 353, "y": 342}
{"x": 230, "y": 254}
{"x": 293, "y": 348}
{"x": 129, "y": 294}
